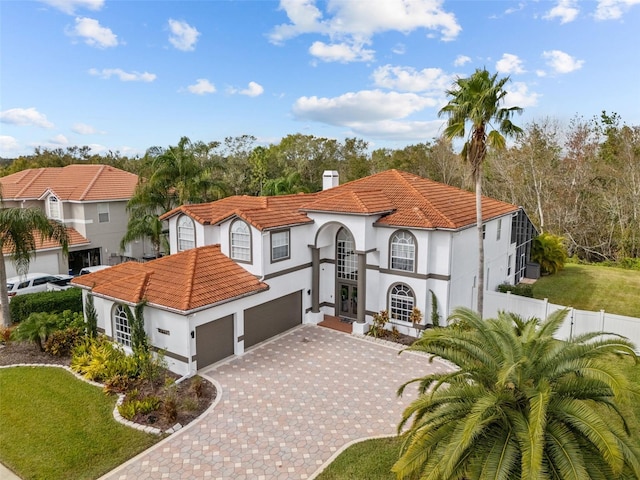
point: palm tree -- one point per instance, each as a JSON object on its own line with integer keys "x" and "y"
{"x": 476, "y": 100}
{"x": 19, "y": 228}
{"x": 145, "y": 225}
{"x": 521, "y": 404}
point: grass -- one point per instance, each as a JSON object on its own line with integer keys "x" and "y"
{"x": 370, "y": 459}
{"x": 54, "y": 426}
{"x": 592, "y": 287}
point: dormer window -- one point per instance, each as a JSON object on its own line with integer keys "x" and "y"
{"x": 54, "y": 209}
{"x": 186, "y": 234}
{"x": 240, "y": 241}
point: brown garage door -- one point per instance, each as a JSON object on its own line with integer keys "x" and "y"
{"x": 214, "y": 341}
{"x": 271, "y": 318}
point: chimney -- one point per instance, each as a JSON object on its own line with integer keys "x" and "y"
{"x": 330, "y": 179}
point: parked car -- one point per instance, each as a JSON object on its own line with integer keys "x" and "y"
{"x": 95, "y": 268}
{"x": 31, "y": 283}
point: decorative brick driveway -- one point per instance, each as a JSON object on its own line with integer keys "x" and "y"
{"x": 286, "y": 407}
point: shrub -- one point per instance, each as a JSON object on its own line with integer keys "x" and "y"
{"x": 5, "y": 334}
{"x": 131, "y": 407}
{"x": 170, "y": 407}
{"x": 61, "y": 342}
{"x": 521, "y": 289}
{"x": 92, "y": 317}
{"x": 118, "y": 384}
{"x": 197, "y": 386}
{"x": 435, "y": 315}
{"x": 37, "y": 328}
{"x": 99, "y": 360}
{"x": 21, "y": 306}
{"x": 549, "y": 251}
{"x": 379, "y": 321}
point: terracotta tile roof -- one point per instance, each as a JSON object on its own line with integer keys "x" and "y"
{"x": 183, "y": 281}
{"x": 73, "y": 182}
{"x": 403, "y": 200}
{"x": 360, "y": 202}
{"x": 75, "y": 240}
{"x": 418, "y": 202}
{"x": 261, "y": 212}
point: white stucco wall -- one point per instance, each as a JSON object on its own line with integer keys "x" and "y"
{"x": 50, "y": 261}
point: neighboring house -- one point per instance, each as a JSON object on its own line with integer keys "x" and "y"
{"x": 90, "y": 200}
{"x": 384, "y": 242}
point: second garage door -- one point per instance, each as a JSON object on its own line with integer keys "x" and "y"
{"x": 271, "y": 318}
{"x": 214, "y": 341}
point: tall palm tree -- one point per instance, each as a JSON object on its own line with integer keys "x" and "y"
{"x": 521, "y": 404}
{"x": 476, "y": 101}
{"x": 145, "y": 226}
{"x": 20, "y": 229}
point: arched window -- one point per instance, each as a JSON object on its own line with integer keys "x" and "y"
{"x": 186, "y": 234}
{"x": 346, "y": 258}
{"x": 121, "y": 327}
{"x": 403, "y": 251}
{"x": 53, "y": 207}
{"x": 240, "y": 241}
{"x": 401, "y": 303}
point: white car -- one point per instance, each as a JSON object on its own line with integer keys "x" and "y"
{"x": 95, "y": 268}
{"x": 31, "y": 283}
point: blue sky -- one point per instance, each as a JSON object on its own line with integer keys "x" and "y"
{"x": 128, "y": 75}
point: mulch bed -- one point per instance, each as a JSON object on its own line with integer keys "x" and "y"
{"x": 189, "y": 405}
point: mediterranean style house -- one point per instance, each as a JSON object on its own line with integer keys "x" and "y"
{"x": 244, "y": 269}
{"x": 90, "y": 200}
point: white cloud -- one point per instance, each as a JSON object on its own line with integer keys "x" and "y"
{"x": 8, "y": 146}
{"x": 399, "y": 130}
{"x": 253, "y": 90}
{"x": 354, "y": 23}
{"x": 340, "y": 52}
{"x": 25, "y": 117}
{"x": 518, "y": 95}
{"x": 107, "y": 73}
{"x": 509, "y": 63}
{"x": 565, "y": 10}
{"x": 202, "y": 87}
{"x": 365, "y": 106}
{"x": 93, "y": 33}
{"x": 399, "y": 49}
{"x": 613, "y": 9}
{"x": 409, "y": 79}
{"x": 183, "y": 36}
{"x": 70, "y": 6}
{"x": 83, "y": 129}
{"x": 562, "y": 62}
{"x": 461, "y": 60}
{"x": 59, "y": 141}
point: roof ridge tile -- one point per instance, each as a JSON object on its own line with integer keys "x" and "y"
{"x": 92, "y": 182}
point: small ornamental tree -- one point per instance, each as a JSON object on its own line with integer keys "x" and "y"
{"x": 92, "y": 317}
{"x": 549, "y": 251}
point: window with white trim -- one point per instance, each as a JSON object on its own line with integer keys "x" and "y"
{"x": 347, "y": 259}
{"x": 401, "y": 303}
{"x": 186, "y": 234}
{"x": 240, "y": 241}
{"x": 403, "y": 251}
{"x": 103, "y": 213}
{"x": 499, "y": 234}
{"x": 121, "y": 328}
{"x": 280, "y": 245}
{"x": 54, "y": 209}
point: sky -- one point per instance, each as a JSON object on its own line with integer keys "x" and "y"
{"x": 124, "y": 76}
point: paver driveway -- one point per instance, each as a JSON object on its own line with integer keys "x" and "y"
{"x": 286, "y": 407}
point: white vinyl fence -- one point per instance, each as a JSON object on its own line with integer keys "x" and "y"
{"x": 576, "y": 323}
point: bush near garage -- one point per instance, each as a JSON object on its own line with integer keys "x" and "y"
{"x": 21, "y": 306}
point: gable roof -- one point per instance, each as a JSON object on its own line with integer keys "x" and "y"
{"x": 75, "y": 240}
{"x": 401, "y": 199}
{"x": 183, "y": 281}
{"x": 74, "y": 182}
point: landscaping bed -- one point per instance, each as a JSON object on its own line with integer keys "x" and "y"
{"x": 191, "y": 396}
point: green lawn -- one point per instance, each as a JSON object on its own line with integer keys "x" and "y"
{"x": 54, "y": 426}
{"x": 370, "y": 459}
{"x": 590, "y": 287}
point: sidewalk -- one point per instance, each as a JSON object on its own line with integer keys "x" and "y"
{"x": 6, "y": 474}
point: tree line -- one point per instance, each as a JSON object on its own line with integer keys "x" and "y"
{"x": 580, "y": 181}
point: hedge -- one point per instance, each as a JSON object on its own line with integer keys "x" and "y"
{"x": 21, "y": 306}
{"x": 524, "y": 290}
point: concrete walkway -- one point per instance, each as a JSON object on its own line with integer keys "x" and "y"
{"x": 286, "y": 407}
{"x": 6, "y": 474}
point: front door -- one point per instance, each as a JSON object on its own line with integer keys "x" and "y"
{"x": 348, "y": 304}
